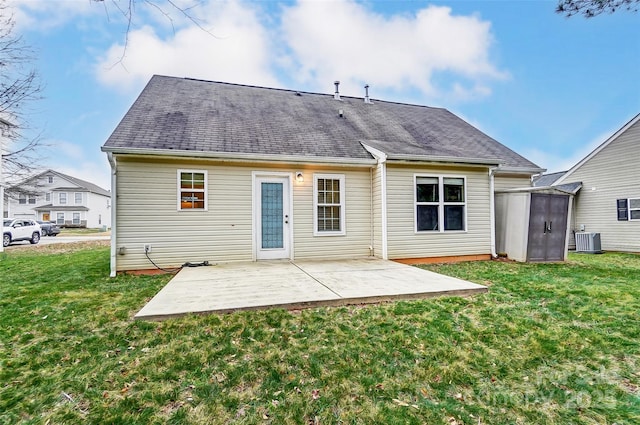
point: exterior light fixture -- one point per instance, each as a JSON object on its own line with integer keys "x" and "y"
{"x": 299, "y": 177}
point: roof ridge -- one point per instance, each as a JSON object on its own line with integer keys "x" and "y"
{"x": 342, "y": 96}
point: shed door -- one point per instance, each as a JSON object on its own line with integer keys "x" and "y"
{"x": 547, "y": 227}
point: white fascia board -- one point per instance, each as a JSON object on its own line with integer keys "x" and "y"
{"x": 242, "y": 157}
{"x": 598, "y": 149}
{"x": 519, "y": 170}
{"x": 381, "y": 156}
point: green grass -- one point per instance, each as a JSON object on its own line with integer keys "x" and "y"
{"x": 549, "y": 344}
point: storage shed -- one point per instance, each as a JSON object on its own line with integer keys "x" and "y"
{"x": 532, "y": 224}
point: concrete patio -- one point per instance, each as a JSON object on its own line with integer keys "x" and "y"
{"x": 228, "y": 287}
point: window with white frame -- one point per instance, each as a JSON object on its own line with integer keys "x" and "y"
{"x": 77, "y": 197}
{"x": 47, "y": 197}
{"x": 22, "y": 198}
{"x": 62, "y": 198}
{"x": 76, "y": 218}
{"x": 328, "y": 199}
{"x": 32, "y": 199}
{"x": 50, "y": 179}
{"x": 60, "y": 218}
{"x": 440, "y": 203}
{"x": 192, "y": 189}
{"x": 634, "y": 208}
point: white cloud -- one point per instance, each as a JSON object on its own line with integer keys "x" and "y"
{"x": 347, "y": 41}
{"x": 237, "y": 50}
{"x": 432, "y": 52}
{"x": 94, "y": 172}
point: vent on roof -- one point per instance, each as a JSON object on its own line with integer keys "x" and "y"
{"x": 336, "y": 95}
{"x": 366, "y": 94}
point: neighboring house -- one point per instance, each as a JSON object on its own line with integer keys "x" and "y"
{"x": 223, "y": 172}
{"x": 609, "y": 202}
{"x": 546, "y": 180}
{"x": 54, "y": 196}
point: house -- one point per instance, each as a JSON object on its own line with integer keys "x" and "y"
{"x": 54, "y": 196}
{"x": 609, "y": 202}
{"x": 214, "y": 171}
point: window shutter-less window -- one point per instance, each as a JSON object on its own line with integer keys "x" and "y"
{"x": 623, "y": 210}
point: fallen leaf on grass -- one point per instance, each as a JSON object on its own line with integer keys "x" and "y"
{"x": 315, "y": 394}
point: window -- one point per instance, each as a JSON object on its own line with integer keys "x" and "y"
{"x": 22, "y": 198}
{"x": 440, "y": 204}
{"x": 50, "y": 179}
{"x": 77, "y": 197}
{"x": 47, "y": 197}
{"x": 192, "y": 193}
{"x": 328, "y": 190}
{"x": 62, "y": 197}
{"x": 634, "y": 208}
{"x": 32, "y": 199}
{"x": 76, "y": 218}
{"x": 60, "y": 218}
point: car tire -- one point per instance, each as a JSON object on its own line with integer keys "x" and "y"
{"x": 6, "y": 240}
{"x": 44, "y": 232}
{"x": 35, "y": 238}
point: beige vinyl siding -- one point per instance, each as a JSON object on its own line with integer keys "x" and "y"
{"x": 147, "y": 214}
{"x": 404, "y": 242}
{"x": 356, "y": 241}
{"x": 613, "y": 173}
{"x": 510, "y": 182}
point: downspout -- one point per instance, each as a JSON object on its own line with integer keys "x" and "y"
{"x": 112, "y": 162}
{"x": 383, "y": 184}
{"x": 492, "y": 210}
{"x": 372, "y": 226}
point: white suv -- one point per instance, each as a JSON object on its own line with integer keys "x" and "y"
{"x": 19, "y": 229}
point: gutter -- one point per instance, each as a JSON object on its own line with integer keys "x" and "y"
{"x": 441, "y": 159}
{"x": 112, "y": 162}
{"x": 242, "y": 157}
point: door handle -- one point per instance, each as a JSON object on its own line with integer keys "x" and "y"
{"x": 549, "y": 228}
{"x": 286, "y": 219}
{"x": 544, "y": 230}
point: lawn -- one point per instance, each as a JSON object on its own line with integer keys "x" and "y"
{"x": 549, "y": 344}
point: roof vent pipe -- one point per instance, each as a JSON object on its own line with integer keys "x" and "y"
{"x": 336, "y": 95}
{"x": 366, "y": 94}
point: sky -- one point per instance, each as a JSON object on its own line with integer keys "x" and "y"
{"x": 549, "y": 87}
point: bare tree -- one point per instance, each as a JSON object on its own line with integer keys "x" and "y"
{"x": 591, "y": 8}
{"x": 19, "y": 87}
{"x": 127, "y": 8}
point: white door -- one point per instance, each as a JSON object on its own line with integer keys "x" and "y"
{"x": 272, "y": 228}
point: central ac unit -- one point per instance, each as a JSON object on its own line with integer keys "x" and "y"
{"x": 588, "y": 242}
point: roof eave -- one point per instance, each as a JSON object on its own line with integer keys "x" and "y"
{"x": 519, "y": 170}
{"x": 241, "y": 156}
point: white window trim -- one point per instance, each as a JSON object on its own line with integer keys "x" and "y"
{"x": 64, "y": 217}
{"x": 441, "y": 203}
{"x": 47, "y": 197}
{"x": 73, "y": 217}
{"x": 629, "y": 209}
{"x": 343, "y": 224}
{"x": 75, "y": 200}
{"x": 66, "y": 198}
{"x": 206, "y": 190}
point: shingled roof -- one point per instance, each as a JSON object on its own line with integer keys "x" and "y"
{"x": 189, "y": 116}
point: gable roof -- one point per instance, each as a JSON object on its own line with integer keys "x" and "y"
{"x": 180, "y": 116}
{"x": 79, "y": 183}
{"x": 597, "y": 150}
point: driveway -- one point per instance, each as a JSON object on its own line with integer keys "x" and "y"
{"x": 49, "y": 240}
{"x": 228, "y": 287}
